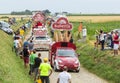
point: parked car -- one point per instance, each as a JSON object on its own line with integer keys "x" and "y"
{"x": 117, "y": 30}
{"x": 108, "y": 37}
{"x": 5, "y": 27}
{"x": 63, "y": 54}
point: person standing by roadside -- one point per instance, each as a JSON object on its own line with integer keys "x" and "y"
{"x": 116, "y": 43}
{"x": 31, "y": 60}
{"x": 26, "y": 56}
{"x": 80, "y": 30}
{"x": 31, "y": 45}
{"x": 64, "y": 77}
{"x": 84, "y": 33}
{"x": 16, "y": 45}
{"x": 25, "y": 44}
{"x": 44, "y": 71}
{"x": 111, "y": 37}
{"x": 21, "y": 33}
{"x": 37, "y": 63}
{"x": 102, "y": 39}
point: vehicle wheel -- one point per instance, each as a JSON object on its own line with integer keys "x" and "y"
{"x": 55, "y": 68}
{"x": 77, "y": 71}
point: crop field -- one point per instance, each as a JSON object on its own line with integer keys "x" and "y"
{"x": 18, "y": 17}
{"x": 93, "y": 19}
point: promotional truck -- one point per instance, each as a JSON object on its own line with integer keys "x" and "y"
{"x": 40, "y": 35}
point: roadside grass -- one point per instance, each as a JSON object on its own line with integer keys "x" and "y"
{"x": 101, "y": 63}
{"x": 11, "y": 66}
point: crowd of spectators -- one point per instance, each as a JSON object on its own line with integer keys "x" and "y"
{"x": 111, "y": 40}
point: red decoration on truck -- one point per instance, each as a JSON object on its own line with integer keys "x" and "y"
{"x": 62, "y": 24}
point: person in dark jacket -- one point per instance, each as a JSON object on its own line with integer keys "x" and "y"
{"x": 26, "y": 56}
{"x": 37, "y": 63}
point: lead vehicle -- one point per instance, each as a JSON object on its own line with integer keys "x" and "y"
{"x": 63, "y": 54}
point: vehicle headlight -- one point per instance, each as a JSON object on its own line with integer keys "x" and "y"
{"x": 76, "y": 62}
{"x": 59, "y": 61}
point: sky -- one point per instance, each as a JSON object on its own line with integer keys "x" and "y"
{"x": 71, "y": 6}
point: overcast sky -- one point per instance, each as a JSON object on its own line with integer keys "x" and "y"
{"x": 71, "y": 6}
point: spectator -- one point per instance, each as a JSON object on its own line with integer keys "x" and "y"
{"x": 24, "y": 27}
{"x": 22, "y": 33}
{"x": 29, "y": 24}
{"x": 109, "y": 40}
{"x": 22, "y": 19}
{"x": 64, "y": 77}
{"x": 20, "y": 44}
{"x": 31, "y": 60}
{"x": 14, "y": 20}
{"x": 25, "y": 44}
{"x": 16, "y": 45}
{"x": 26, "y": 56}
{"x": 112, "y": 35}
{"x": 31, "y": 45}
{"x": 37, "y": 63}
{"x": 44, "y": 71}
{"x": 84, "y": 33}
{"x": 80, "y": 30}
{"x": 102, "y": 39}
{"x": 116, "y": 43}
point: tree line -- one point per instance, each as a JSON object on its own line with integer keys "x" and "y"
{"x": 28, "y": 12}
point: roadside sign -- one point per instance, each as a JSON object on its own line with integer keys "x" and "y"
{"x": 62, "y": 24}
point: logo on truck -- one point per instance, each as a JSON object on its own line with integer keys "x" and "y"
{"x": 62, "y": 24}
{"x": 40, "y": 32}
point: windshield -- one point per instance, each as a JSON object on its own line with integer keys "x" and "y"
{"x": 66, "y": 52}
{"x": 41, "y": 38}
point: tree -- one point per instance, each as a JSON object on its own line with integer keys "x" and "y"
{"x": 46, "y": 11}
{"x": 65, "y": 13}
{"x": 26, "y": 12}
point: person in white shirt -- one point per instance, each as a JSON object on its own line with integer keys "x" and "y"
{"x": 64, "y": 77}
{"x": 16, "y": 45}
{"x": 102, "y": 38}
{"x": 84, "y": 33}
